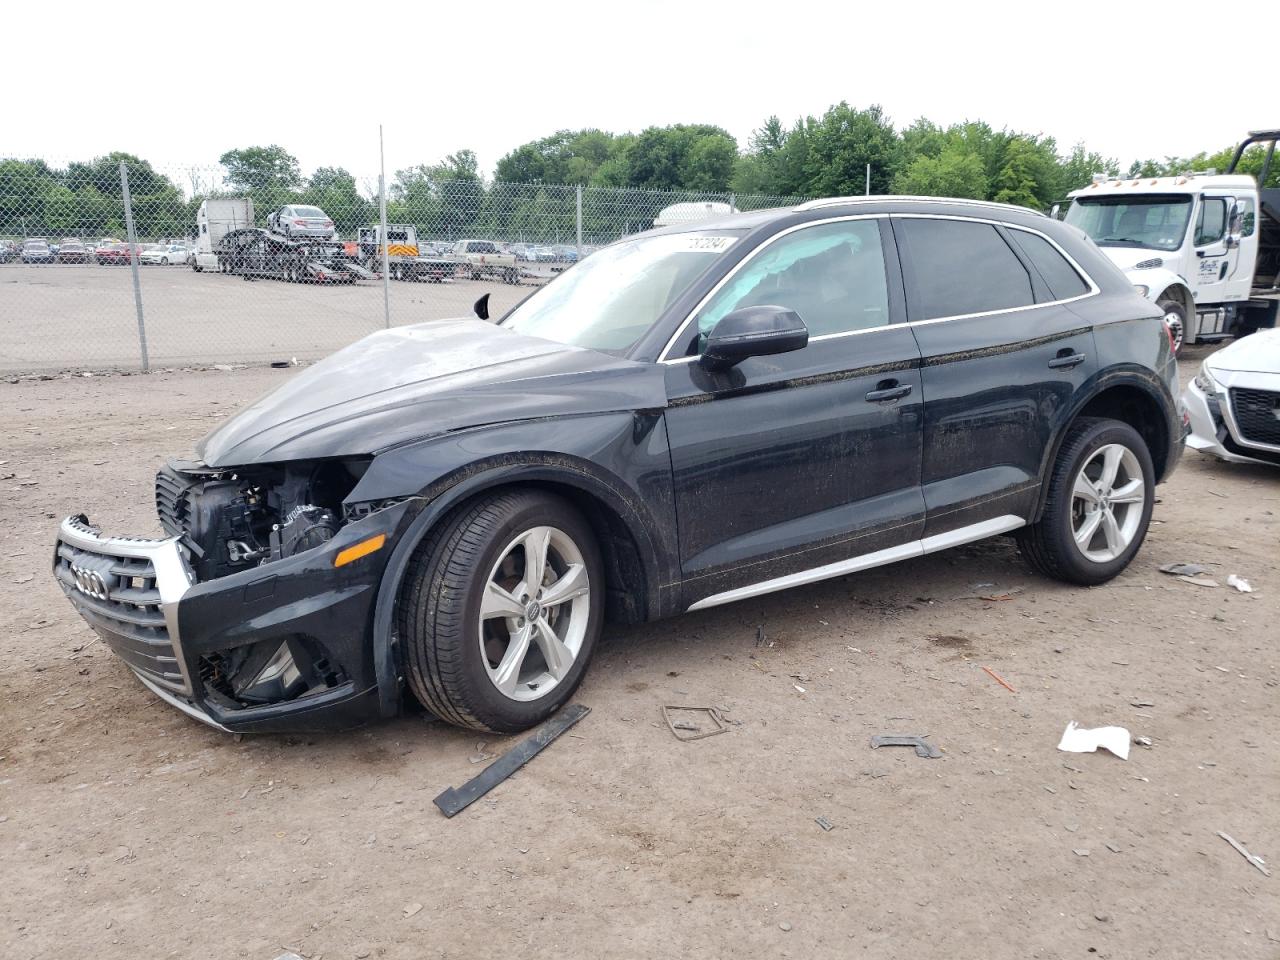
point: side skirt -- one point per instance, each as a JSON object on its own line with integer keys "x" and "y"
{"x": 916, "y": 548}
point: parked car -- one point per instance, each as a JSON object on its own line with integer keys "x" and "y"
{"x": 1235, "y": 401}
{"x": 690, "y": 417}
{"x": 73, "y": 251}
{"x": 484, "y": 258}
{"x": 301, "y": 221}
{"x": 114, "y": 254}
{"x": 8, "y": 251}
{"x": 37, "y": 250}
{"x": 163, "y": 253}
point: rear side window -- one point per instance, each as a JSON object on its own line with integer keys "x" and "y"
{"x": 1060, "y": 277}
{"x": 960, "y": 267}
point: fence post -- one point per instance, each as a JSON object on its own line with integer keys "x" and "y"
{"x": 133, "y": 262}
{"x": 579, "y": 221}
{"x": 382, "y": 219}
{"x": 733, "y": 203}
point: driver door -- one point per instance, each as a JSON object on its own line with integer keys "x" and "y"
{"x": 791, "y": 462}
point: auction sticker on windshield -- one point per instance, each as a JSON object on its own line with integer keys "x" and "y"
{"x": 710, "y": 244}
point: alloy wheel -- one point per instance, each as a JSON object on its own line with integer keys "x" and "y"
{"x": 1107, "y": 501}
{"x": 1173, "y": 320}
{"x": 534, "y": 613}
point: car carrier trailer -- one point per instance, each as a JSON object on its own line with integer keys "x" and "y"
{"x": 254, "y": 253}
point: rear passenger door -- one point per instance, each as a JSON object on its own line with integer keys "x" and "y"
{"x": 1002, "y": 356}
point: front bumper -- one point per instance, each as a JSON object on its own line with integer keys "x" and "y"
{"x": 143, "y": 600}
{"x": 1213, "y": 430}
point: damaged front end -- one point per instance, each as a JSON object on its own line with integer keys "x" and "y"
{"x": 256, "y": 611}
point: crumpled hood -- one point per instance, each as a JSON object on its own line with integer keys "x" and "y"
{"x": 1257, "y": 353}
{"x": 413, "y": 382}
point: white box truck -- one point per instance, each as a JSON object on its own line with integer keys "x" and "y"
{"x": 1203, "y": 246}
{"x": 217, "y": 217}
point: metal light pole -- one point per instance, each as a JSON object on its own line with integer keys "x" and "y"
{"x": 382, "y": 214}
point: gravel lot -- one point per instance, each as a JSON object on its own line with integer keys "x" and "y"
{"x": 128, "y": 830}
{"x": 71, "y": 317}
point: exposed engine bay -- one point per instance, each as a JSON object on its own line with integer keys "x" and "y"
{"x": 234, "y": 520}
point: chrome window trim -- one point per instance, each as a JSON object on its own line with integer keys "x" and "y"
{"x": 1093, "y": 291}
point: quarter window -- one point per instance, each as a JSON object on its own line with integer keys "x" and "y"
{"x": 1211, "y": 224}
{"x": 1247, "y": 215}
{"x": 832, "y": 275}
{"x": 1059, "y": 276}
{"x": 961, "y": 267}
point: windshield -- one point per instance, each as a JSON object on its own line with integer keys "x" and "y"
{"x": 308, "y": 212}
{"x": 608, "y": 301}
{"x": 1157, "y": 222}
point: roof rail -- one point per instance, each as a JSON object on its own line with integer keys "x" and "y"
{"x": 894, "y": 198}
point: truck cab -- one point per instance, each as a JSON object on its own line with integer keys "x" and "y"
{"x": 1203, "y": 246}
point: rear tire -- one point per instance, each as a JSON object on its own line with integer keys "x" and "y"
{"x": 1098, "y": 508}
{"x": 482, "y": 648}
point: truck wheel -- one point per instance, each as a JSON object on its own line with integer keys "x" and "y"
{"x": 501, "y": 610}
{"x": 1101, "y": 490}
{"x": 1175, "y": 318}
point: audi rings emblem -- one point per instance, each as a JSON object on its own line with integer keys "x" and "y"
{"x": 90, "y": 582}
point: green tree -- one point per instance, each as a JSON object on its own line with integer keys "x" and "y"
{"x": 956, "y": 171}
{"x": 334, "y": 191}
{"x": 841, "y": 143}
{"x": 270, "y": 175}
{"x": 671, "y": 158}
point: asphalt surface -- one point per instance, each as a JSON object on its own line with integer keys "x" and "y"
{"x": 71, "y": 317}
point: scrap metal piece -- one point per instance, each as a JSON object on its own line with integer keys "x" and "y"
{"x": 1253, "y": 858}
{"x": 824, "y": 823}
{"x": 675, "y": 726}
{"x": 923, "y": 747}
{"x": 455, "y": 800}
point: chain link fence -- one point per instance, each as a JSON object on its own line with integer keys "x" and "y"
{"x": 115, "y": 265}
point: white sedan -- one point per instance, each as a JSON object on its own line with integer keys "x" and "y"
{"x": 163, "y": 253}
{"x": 1234, "y": 401}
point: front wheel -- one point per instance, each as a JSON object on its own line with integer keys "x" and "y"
{"x": 1101, "y": 491}
{"x": 501, "y": 611}
{"x": 1175, "y": 319}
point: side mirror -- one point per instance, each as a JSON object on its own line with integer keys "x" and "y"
{"x": 481, "y": 307}
{"x": 753, "y": 332}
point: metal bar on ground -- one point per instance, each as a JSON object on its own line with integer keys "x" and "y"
{"x": 454, "y": 801}
{"x": 133, "y": 262}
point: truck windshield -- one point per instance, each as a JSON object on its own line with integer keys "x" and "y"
{"x": 609, "y": 300}
{"x": 1158, "y": 222}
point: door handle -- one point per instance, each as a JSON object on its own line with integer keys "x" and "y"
{"x": 1066, "y": 360}
{"x": 887, "y": 390}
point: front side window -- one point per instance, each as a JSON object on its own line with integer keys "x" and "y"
{"x": 831, "y": 274}
{"x": 1155, "y": 221}
{"x": 1247, "y": 214}
{"x": 1211, "y": 224}
{"x": 961, "y": 267}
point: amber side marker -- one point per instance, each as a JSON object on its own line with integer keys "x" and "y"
{"x": 361, "y": 549}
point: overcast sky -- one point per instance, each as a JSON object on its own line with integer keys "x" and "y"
{"x": 180, "y": 83}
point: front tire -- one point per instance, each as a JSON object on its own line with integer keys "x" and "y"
{"x": 1098, "y": 507}
{"x": 501, "y": 611}
{"x": 1175, "y": 318}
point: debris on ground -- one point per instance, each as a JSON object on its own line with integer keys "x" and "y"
{"x": 923, "y": 747}
{"x": 824, "y": 823}
{"x": 1200, "y": 581}
{"x": 694, "y": 723}
{"x": 998, "y": 679}
{"x": 411, "y": 909}
{"x": 1141, "y": 703}
{"x": 1183, "y": 569}
{"x": 1252, "y": 858}
{"x": 454, "y": 801}
{"x": 1077, "y": 739}
{"x": 1240, "y": 583}
{"x": 1142, "y": 741}
{"x": 1081, "y": 851}
{"x": 784, "y": 927}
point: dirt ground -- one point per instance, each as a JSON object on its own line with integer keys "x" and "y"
{"x": 128, "y": 830}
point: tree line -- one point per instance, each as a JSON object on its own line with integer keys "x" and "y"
{"x": 533, "y": 193}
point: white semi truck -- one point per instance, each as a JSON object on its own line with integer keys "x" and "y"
{"x": 214, "y": 220}
{"x": 1204, "y": 246}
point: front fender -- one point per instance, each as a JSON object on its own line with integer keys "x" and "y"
{"x": 1159, "y": 280}
{"x": 620, "y": 460}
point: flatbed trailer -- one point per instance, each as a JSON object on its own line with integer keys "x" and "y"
{"x": 403, "y": 259}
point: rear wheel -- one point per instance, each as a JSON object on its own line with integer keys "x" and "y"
{"x": 1098, "y": 507}
{"x": 501, "y": 610}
